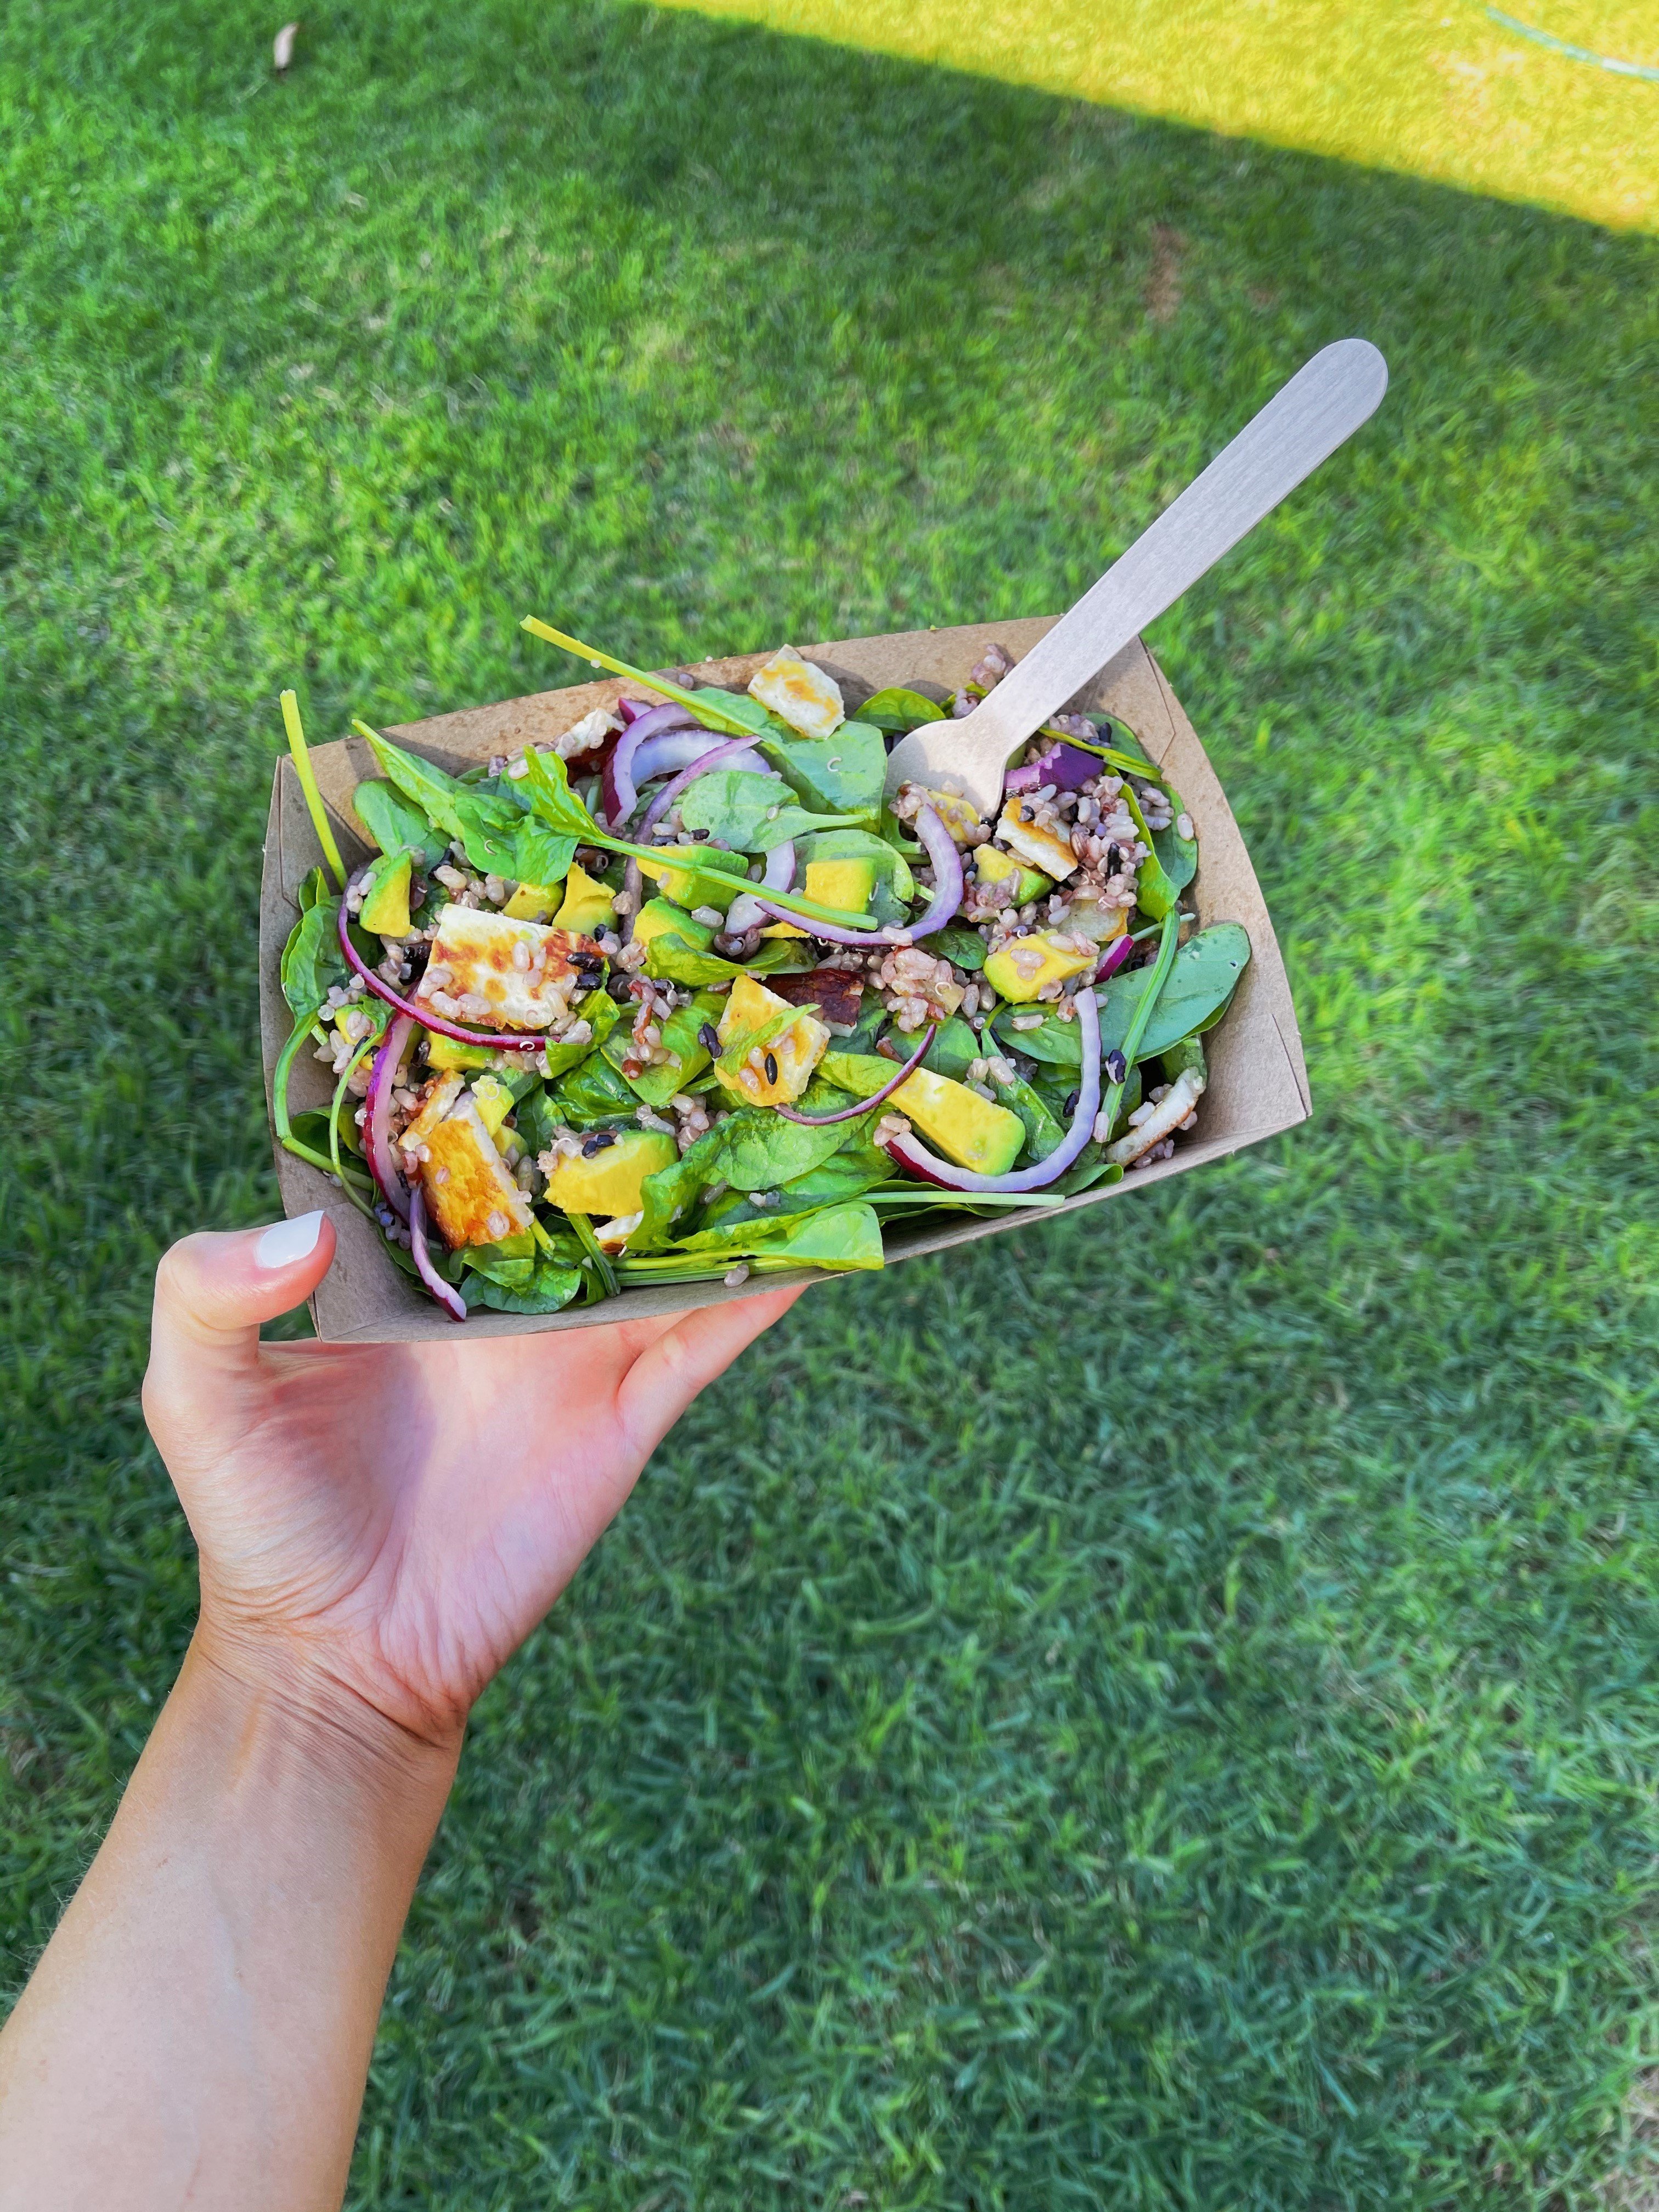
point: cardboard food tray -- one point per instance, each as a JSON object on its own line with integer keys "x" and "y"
{"x": 1258, "y": 1080}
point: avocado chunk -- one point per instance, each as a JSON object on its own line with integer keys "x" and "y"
{"x": 973, "y": 1131}
{"x": 386, "y": 902}
{"x": 846, "y": 883}
{"x": 687, "y": 890}
{"x": 1019, "y": 970}
{"x": 660, "y": 917}
{"x": 992, "y": 865}
{"x": 587, "y": 907}
{"x": 609, "y": 1179}
{"x": 443, "y": 1053}
{"x": 532, "y": 902}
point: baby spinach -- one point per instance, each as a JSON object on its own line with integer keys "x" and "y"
{"x": 960, "y": 944}
{"x": 898, "y": 710}
{"x": 681, "y": 1035}
{"x": 601, "y": 1013}
{"x": 748, "y": 812}
{"x": 953, "y": 1051}
{"x": 671, "y": 959}
{"x": 841, "y": 1237}
{"x": 312, "y": 962}
{"x": 396, "y": 824}
{"x": 592, "y": 1095}
{"x": 841, "y": 774}
{"x": 1042, "y": 1131}
{"x": 499, "y": 835}
{"x": 1202, "y": 979}
{"x": 753, "y": 1149}
{"x": 543, "y": 1287}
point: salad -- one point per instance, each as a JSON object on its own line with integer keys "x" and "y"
{"x": 681, "y": 997}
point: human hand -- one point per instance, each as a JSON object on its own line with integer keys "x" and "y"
{"x": 390, "y": 1521}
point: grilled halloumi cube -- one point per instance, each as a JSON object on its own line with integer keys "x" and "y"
{"x": 500, "y": 974}
{"x": 798, "y": 694}
{"x": 434, "y": 1101}
{"x": 1021, "y": 834}
{"x": 469, "y": 1192}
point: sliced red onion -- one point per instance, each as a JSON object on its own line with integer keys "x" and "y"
{"x": 617, "y": 784}
{"x": 928, "y": 1165}
{"x": 446, "y": 1295}
{"x": 1114, "y": 955}
{"x": 747, "y": 911}
{"x": 941, "y": 850}
{"x": 376, "y": 1128}
{"x": 863, "y": 1105}
{"x": 497, "y": 1040}
{"x": 735, "y": 752}
{"x": 630, "y": 710}
{"x": 1066, "y": 766}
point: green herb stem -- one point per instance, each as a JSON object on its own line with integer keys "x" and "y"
{"x": 307, "y": 775}
{"x": 1143, "y": 1013}
{"x": 715, "y": 717}
{"x": 590, "y": 1244}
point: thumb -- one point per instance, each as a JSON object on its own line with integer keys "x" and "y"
{"x": 212, "y": 1292}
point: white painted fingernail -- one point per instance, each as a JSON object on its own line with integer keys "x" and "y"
{"x": 285, "y": 1242}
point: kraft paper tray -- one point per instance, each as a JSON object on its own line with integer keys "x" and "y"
{"x": 1258, "y": 1078}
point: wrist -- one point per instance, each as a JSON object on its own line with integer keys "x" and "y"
{"x": 286, "y": 1711}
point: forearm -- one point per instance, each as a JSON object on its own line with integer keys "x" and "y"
{"x": 200, "y": 2025}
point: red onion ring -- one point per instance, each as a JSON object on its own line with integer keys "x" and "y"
{"x": 1114, "y": 956}
{"x": 376, "y": 1128}
{"x": 947, "y": 895}
{"x": 631, "y": 710}
{"x": 497, "y": 1040}
{"x": 747, "y": 910}
{"x": 928, "y": 1165}
{"x": 736, "y": 752}
{"x": 617, "y": 785}
{"x": 863, "y": 1105}
{"x": 448, "y": 1296}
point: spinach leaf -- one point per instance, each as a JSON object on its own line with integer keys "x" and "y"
{"x": 396, "y": 824}
{"x": 601, "y": 1013}
{"x": 898, "y": 710}
{"x": 842, "y": 1236}
{"x": 962, "y": 944}
{"x": 841, "y": 774}
{"x": 747, "y": 812}
{"x": 852, "y": 1171}
{"x": 1043, "y": 1131}
{"x": 547, "y": 1287}
{"x": 1156, "y": 892}
{"x": 753, "y": 1149}
{"x": 954, "y": 1048}
{"x": 592, "y": 1095}
{"x": 312, "y": 962}
{"x": 313, "y": 887}
{"x": 498, "y": 833}
{"x": 672, "y": 960}
{"x": 657, "y": 1085}
{"x": 1202, "y": 980}
{"x": 1093, "y": 1168}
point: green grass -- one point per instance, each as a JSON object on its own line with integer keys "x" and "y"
{"x": 1158, "y": 1711}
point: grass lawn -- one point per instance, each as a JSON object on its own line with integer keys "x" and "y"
{"x": 1157, "y": 1711}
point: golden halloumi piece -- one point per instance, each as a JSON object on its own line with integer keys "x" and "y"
{"x": 1022, "y": 835}
{"x": 798, "y": 694}
{"x": 477, "y": 955}
{"x": 469, "y": 1192}
{"x": 435, "y": 1100}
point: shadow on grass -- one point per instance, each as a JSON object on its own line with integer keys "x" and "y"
{"x": 1155, "y": 1710}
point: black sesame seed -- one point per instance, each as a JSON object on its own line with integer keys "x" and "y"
{"x": 709, "y": 1038}
{"x": 600, "y": 1139}
{"x": 590, "y": 1145}
{"x": 1117, "y": 1067}
{"x": 771, "y": 1067}
{"x": 1071, "y": 1105}
{"x": 589, "y": 962}
{"x": 1114, "y": 860}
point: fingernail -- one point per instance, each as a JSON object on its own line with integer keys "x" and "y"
{"x": 285, "y": 1242}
